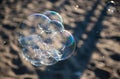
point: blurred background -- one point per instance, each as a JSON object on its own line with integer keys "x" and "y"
{"x": 95, "y": 25}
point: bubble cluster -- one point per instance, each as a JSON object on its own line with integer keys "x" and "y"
{"x": 44, "y": 40}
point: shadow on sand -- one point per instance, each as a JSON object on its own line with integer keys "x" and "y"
{"x": 72, "y": 68}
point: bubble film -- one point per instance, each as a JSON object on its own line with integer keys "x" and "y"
{"x": 44, "y": 40}
{"x": 64, "y": 42}
{"x": 55, "y": 26}
{"x": 34, "y": 24}
{"x": 29, "y": 40}
{"x": 54, "y": 15}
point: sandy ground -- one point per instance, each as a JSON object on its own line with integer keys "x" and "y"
{"x": 97, "y": 54}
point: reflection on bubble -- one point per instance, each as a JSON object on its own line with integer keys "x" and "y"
{"x": 55, "y": 26}
{"x": 33, "y": 47}
{"x": 50, "y": 60}
{"x": 38, "y": 55}
{"x": 34, "y": 24}
{"x": 54, "y": 15}
{"x": 30, "y": 55}
{"x": 55, "y": 53}
{"x": 111, "y": 7}
{"x": 29, "y": 40}
{"x": 64, "y": 42}
{"x": 44, "y": 40}
{"x": 46, "y": 57}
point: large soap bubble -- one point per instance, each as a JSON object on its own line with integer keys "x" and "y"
{"x": 44, "y": 40}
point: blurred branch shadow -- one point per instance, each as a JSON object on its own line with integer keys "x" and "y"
{"x": 79, "y": 62}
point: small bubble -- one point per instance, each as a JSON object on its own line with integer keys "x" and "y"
{"x": 111, "y": 7}
{"x": 76, "y": 6}
{"x": 111, "y": 10}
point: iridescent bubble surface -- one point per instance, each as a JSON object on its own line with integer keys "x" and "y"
{"x": 54, "y": 15}
{"x": 55, "y": 26}
{"x": 64, "y": 42}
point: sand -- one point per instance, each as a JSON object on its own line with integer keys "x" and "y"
{"x": 97, "y": 34}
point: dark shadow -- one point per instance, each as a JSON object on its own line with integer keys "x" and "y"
{"x": 102, "y": 74}
{"x": 53, "y": 1}
{"x": 8, "y": 27}
{"x": 20, "y": 69}
{"x": 83, "y": 53}
{"x": 115, "y": 57}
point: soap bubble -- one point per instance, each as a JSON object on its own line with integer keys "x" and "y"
{"x": 54, "y": 15}
{"x": 44, "y": 40}
{"x": 111, "y": 7}
{"x": 34, "y": 24}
